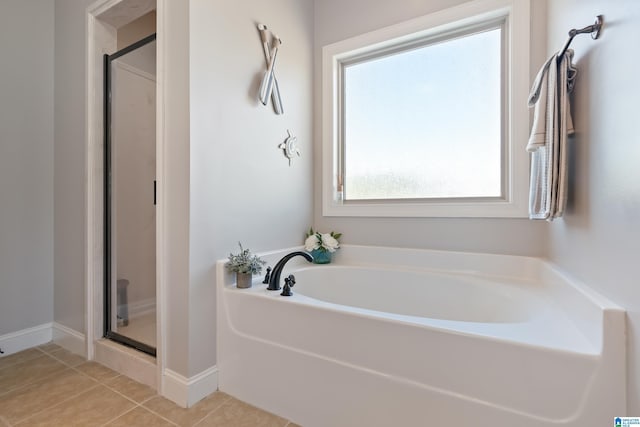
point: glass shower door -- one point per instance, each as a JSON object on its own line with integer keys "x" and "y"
{"x": 130, "y": 223}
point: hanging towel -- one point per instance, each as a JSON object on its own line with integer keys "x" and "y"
{"x": 548, "y": 140}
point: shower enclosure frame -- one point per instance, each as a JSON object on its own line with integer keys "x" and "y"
{"x": 108, "y": 278}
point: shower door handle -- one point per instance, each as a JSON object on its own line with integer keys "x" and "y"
{"x": 154, "y": 192}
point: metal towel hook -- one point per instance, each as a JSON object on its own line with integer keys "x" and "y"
{"x": 595, "y": 30}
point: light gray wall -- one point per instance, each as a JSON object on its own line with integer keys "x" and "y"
{"x": 175, "y": 188}
{"x": 69, "y": 163}
{"x": 599, "y": 238}
{"x": 242, "y": 188}
{"x": 26, "y": 164}
{"x": 337, "y": 20}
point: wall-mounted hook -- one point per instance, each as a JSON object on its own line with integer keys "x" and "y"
{"x": 594, "y": 30}
{"x": 597, "y": 27}
{"x": 290, "y": 146}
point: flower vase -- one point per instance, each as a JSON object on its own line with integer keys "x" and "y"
{"x": 243, "y": 280}
{"x": 320, "y": 256}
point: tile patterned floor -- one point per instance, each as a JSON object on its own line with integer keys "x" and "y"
{"x": 49, "y": 386}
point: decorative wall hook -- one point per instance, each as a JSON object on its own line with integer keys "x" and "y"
{"x": 290, "y": 146}
{"x": 594, "y": 30}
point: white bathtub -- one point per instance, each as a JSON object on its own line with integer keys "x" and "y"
{"x": 390, "y": 337}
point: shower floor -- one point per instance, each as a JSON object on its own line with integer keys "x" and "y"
{"x": 141, "y": 328}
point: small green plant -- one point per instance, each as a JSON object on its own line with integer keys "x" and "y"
{"x": 244, "y": 262}
{"x": 323, "y": 242}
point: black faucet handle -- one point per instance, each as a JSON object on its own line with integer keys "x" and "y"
{"x": 288, "y": 283}
{"x": 267, "y": 276}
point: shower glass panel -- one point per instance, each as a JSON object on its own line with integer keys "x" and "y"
{"x": 130, "y": 217}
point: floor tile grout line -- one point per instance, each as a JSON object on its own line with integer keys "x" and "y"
{"x": 57, "y": 350}
{"x": 224, "y": 402}
{"x": 28, "y": 383}
{"x": 149, "y": 398}
{"x": 49, "y": 353}
{"x": 19, "y": 361}
{"x": 227, "y": 402}
{"x": 65, "y": 363}
{"x": 133, "y": 409}
{"x": 119, "y": 416}
{"x": 105, "y": 382}
{"x": 212, "y": 411}
{"x": 97, "y": 382}
{"x": 158, "y": 414}
{"x": 59, "y": 403}
{"x": 45, "y": 351}
{"x": 137, "y": 404}
{"x": 124, "y": 395}
{"x": 75, "y": 368}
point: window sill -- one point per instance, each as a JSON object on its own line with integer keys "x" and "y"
{"x": 436, "y": 209}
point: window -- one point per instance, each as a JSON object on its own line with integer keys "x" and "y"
{"x": 425, "y": 122}
{"x": 429, "y": 117}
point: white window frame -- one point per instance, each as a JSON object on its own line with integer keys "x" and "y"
{"x": 514, "y": 202}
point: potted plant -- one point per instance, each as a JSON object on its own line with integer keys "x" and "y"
{"x": 321, "y": 245}
{"x": 245, "y": 265}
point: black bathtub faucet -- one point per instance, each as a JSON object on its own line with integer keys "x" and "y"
{"x": 274, "y": 280}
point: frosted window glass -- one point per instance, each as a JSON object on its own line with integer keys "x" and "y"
{"x": 425, "y": 122}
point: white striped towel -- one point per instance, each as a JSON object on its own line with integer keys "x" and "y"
{"x": 549, "y": 133}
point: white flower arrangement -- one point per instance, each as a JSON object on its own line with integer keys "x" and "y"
{"x": 322, "y": 241}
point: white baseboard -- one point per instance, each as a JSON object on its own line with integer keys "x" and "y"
{"x": 70, "y": 339}
{"x": 186, "y": 392}
{"x": 26, "y": 338}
